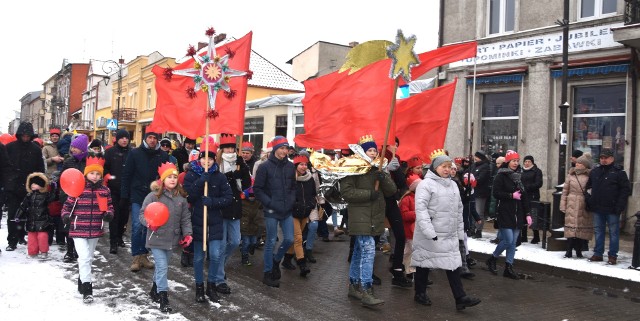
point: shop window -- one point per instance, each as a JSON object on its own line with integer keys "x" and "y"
{"x": 599, "y": 120}
{"x": 501, "y": 16}
{"x": 500, "y": 117}
{"x": 254, "y": 132}
{"x": 596, "y": 8}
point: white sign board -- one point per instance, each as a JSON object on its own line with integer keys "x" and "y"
{"x": 112, "y": 124}
{"x": 592, "y": 38}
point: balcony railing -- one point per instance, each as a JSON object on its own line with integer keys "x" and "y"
{"x": 57, "y": 101}
{"x": 126, "y": 114}
{"x": 83, "y": 124}
{"x": 631, "y": 12}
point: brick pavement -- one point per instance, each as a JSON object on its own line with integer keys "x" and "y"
{"x": 323, "y": 294}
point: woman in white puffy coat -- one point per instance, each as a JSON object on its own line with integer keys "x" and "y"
{"x": 438, "y": 230}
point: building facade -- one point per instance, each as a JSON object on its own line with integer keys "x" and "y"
{"x": 511, "y": 96}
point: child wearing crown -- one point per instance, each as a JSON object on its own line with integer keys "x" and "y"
{"x": 162, "y": 239}
{"x": 85, "y": 216}
{"x": 366, "y": 220}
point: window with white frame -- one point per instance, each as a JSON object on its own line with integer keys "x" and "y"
{"x": 596, "y": 8}
{"x": 500, "y": 116}
{"x": 299, "y": 124}
{"x": 501, "y": 16}
{"x": 148, "y": 98}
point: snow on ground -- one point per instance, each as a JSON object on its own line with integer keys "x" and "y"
{"x": 45, "y": 289}
{"x": 535, "y": 253}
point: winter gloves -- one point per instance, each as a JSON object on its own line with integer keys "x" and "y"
{"x": 516, "y": 195}
{"x": 207, "y": 201}
{"x": 107, "y": 217}
{"x": 186, "y": 241}
{"x": 529, "y": 220}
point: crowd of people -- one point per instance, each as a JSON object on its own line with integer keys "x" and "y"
{"x": 223, "y": 196}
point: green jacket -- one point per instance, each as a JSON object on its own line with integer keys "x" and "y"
{"x": 366, "y": 217}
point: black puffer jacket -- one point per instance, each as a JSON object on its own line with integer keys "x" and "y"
{"x": 482, "y": 172}
{"x": 509, "y": 211}
{"x": 141, "y": 168}
{"x": 34, "y": 207}
{"x": 532, "y": 181}
{"x": 234, "y": 211}
{"x": 25, "y": 158}
{"x": 305, "y": 196}
{"x": 610, "y": 189}
{"x": 114, "y": 161}
{"x": 274, "y": 186}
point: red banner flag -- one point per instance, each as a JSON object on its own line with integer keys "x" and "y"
{"x": 177, "y": 112}
{"x": 339, "y": 108}
{"x": 422, "y": 121}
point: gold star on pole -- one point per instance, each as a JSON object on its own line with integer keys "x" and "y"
{"x": 403, "y": 57}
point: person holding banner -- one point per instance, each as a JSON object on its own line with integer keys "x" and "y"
{"x": 161, "y": 239}
{"x": 219, "y": 196}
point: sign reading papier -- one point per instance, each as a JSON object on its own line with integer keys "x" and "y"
{"x": 591, "y": 38}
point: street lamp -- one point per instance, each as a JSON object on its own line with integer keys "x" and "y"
{"x": 564, "y": 106}
{"x": 109, "y": 67}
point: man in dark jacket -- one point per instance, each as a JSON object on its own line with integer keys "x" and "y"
{"x": 609, "y": 192}
{"x": 182, "y": 154}
{"x": 114, "y": 161}
{"x": 25, "y": 158}
{"x": 141, "y": 168}
{"x": 482, "y": 171}
{"x": 248, "y": 154}
{"x": 275, "y": 188}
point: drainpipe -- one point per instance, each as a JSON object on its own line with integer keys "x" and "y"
{"x": 632, "y": 113}
{"x": 440, "y": 39}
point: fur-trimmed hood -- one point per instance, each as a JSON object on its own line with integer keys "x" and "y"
{"x": 155, "y": 185}
{"x": 42, "y": 176}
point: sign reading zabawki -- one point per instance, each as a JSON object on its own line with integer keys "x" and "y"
{"x": 592, "y": 38}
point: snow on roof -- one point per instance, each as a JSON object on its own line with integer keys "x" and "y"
{"x": 277, "y": 100}
{"x": 266, "y": 74}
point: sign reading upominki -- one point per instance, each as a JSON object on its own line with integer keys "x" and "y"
{"x": 592, "y": 38}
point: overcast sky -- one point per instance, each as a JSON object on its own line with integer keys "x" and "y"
{"x": 37, "y": 35}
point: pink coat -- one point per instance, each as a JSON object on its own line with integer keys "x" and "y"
{"x": 92, "y": 207}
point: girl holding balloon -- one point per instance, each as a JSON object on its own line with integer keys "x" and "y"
{"x": 84, "y": 212}
{"x": 165, "y": 210}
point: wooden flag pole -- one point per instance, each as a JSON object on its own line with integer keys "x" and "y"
{"x": 206, "y": 183}
{"x": 386, "y": 133}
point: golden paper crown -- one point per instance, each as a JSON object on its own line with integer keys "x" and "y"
{"x": 436, "y": 153}
{"x": 167, "y": 169}
{"x": 365, "y": 139}
{"x": 94, "y": 164}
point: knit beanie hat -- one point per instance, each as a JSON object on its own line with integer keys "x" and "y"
{"x": 300, "y": 159}
{"x": 213, "y": 147}
{"x": 576, "y": 153}
{"x": 279, "y": 141}
{"x": 188, "y": 140}
{"x": 94, "y": 164}
{"x": 147, "y": 134}
{"x": 585, "y": 160}
{"x": 511, "y": 155}
{"x": 247, "y": 147}
{"x": 412, "y": 181}
{"x": 81, "y": 142}
{"x": 165, "y": 141}
{"x": 438, "y": 157}
{"x": 414, "y": 161}
{"x": 122, "y": 133}
{"x": 529, "y": 157}
{"x": 95, "y": 143}
{"x": 167, "y": 169}
{"x": 55, "y": 131}
{"x": 480, "y": 154}
{"x": 367, "y": 142}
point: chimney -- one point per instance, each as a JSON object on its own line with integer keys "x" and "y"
{"x": 202, "y": 45}
{"x": 353, "y": 44}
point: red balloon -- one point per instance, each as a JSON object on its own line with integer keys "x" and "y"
{"x": 6, "y": 138}
{"x": 72, "y": 182}
{"x": 156, "y": 214}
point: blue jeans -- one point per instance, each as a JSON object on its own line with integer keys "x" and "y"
{"x": 286, "y": 225}
{"x": 214, "y": 248}
{"x": 161, "y": 258}
{"x": 312, "y": 229}
{"x": 230, "y": 241}
{"x": 138, "y": 232}
{"x": 508, "y": 238}
{"x": 248, "y": 240}
{"x": 600, "y": 220}
{"x": 361, "y": 268}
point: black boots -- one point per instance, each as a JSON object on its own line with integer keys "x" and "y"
{"x": 465, "y": 302}
{"x": 570, "y": 245}
{"x": 275, "y": 270}
{"x": 269, "y": 280}
{"x": 164, "y": 302}
{"x": 509, "y": 272}
{"x": 400, "y": 280}
{"x": 79, "y": 285}
{"x": 87, "y": 292}
{"x": 154, "y": 293}
{"x": 286, "y": 262}
{"x": 491, "y": 264}
{"x": 422, "y": 298}
{"x": 113, "y": 247}
{"x": 308, "y": 254}
{"x": 186, "y": 259}
{"x": 302, "y": 264}
{"x": 200, "y": 293}
{"x": 536, "y": 237}
{"x": 577, "y": 245}
{"x": 211, "y": 292}
{"x": 245, "y": 259}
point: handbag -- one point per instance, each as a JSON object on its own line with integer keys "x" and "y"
{"x": 587, "y": 196}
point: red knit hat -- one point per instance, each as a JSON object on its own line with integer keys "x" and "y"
{"x": 412, "y": 181}
{"x": 247, "y": 147}
{"x": 414, "y": 161}
{"x": 300, "y": 159}
{"x": 511, "y": 155}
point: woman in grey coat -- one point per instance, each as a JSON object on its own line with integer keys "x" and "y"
{"x": 438, "y": 230}
{"x": 163, "y": 239}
